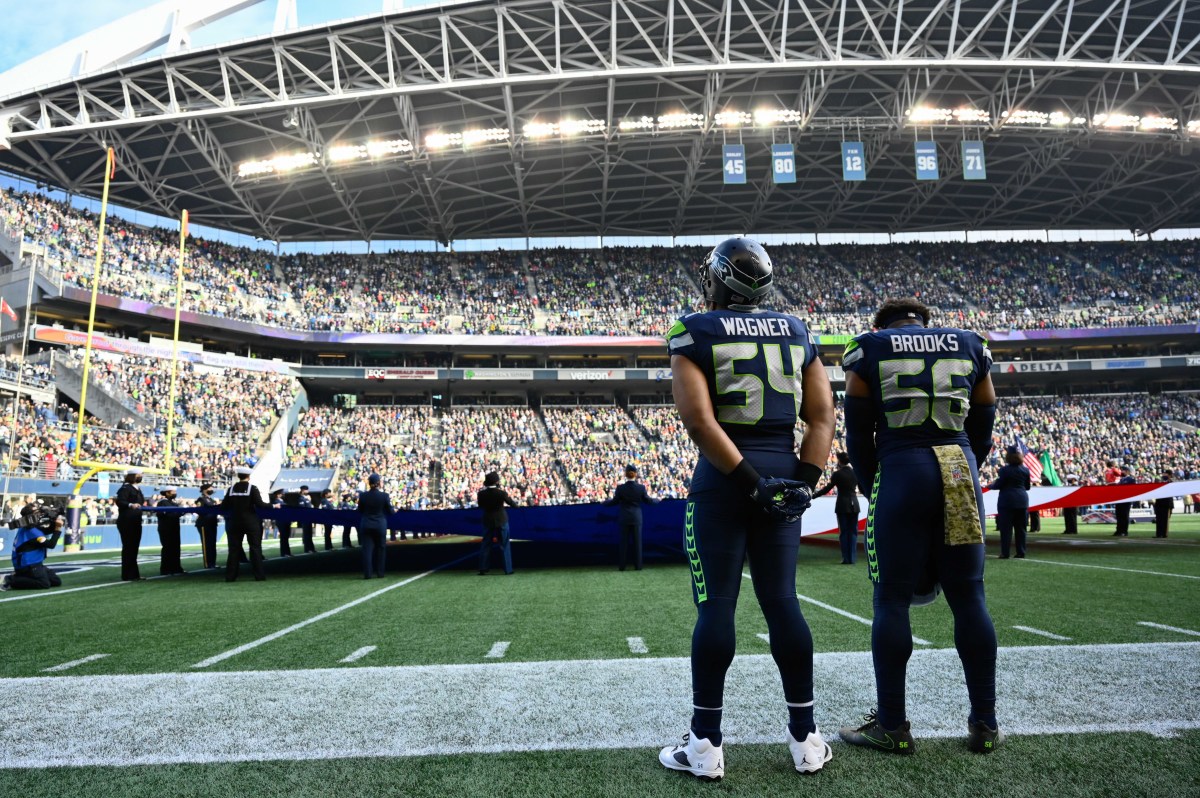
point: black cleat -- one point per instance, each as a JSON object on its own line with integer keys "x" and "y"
{"x": 872, "y": 735}
{"x": 983, "y": 740}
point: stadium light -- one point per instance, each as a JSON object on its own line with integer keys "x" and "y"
{"x": 1116, "y": 120}
{"x": 971, "y": 115}
{"x": 540, "y": 130}
{"x": 924, "y": 116}
{"x": 732, "y": 118}
{"x": 1159, "y": 123}
{"x": 280, "y": 164}
{"x": 641, "y": 123}
{"x": 680, "y": 120}
{"x": 1193, "y": 127}
{"x": 470, "y": 138}
{"x": 769, "y": 117}
{"x": 379, "y": 149}
{"x": 440, "y": 141}
{"x": 574, "y": 127}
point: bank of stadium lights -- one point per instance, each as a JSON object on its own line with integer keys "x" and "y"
{"x": 280, "y": 164}
{"x": 770, "y": 117}
{"x": 564, "y": 127}
{"x": 946, "y": 116}
{"x": 343, "y": 153}
{"x": 680, "y": 121}
{"x": 732, "y": 119}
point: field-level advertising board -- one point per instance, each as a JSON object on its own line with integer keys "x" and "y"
{"x": 100, "y": 464}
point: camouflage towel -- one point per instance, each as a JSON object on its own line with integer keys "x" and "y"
{"x": 962, "y": 513}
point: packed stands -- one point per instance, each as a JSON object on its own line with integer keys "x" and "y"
{"x": 619, "y": 291}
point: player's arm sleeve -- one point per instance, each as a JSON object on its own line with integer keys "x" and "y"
{"x": 860, "y": 440}
{"x": 860, "y": 421}
{"x": 682, "y": 341}
{"x": 981, "y": 417}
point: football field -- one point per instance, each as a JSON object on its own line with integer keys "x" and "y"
{"x": 566, "y": 680}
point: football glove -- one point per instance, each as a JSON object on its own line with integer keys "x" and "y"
{"x": 782, "y": 499}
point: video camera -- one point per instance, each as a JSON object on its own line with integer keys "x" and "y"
{"x": 42, "y": 518}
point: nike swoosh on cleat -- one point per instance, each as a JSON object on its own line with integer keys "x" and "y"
{"x": 890, "y": 743}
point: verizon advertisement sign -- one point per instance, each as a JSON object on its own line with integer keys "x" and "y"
{"x": 591, "y": 374}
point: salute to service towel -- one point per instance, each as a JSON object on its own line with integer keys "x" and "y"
{"x": 962, "y": 513}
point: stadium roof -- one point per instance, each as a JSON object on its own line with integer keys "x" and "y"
{"x": 549, "y": 117}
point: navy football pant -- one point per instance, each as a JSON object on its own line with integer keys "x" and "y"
{"x": 905, "y": 533}
{"x": 719, "y": 532}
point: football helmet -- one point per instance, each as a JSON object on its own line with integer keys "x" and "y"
{"x": 736, "y": 274}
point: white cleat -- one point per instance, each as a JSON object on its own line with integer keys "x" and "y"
{"x": 696, "y": 756}
{"x": 811, "y": 754}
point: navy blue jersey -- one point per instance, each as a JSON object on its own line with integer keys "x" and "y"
{"x": 754, "y": 364}
{"x": 921, "y": 379}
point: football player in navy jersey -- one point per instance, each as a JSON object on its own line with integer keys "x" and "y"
{"x": 919, "y": 414}
{"x": 743, "y": 378}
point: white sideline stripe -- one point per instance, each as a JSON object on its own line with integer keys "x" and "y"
{"x": 637, "y": 645}
{"x": 1109, "y": 568}
{"x": 1169, "y": 628}
{"x": 844, "y": 614}
{"x": 49, "y": 593}
{"x": 66, "y": 666}
{"x": 498, "y": 650}
{"x": 337, "y": 712}
{"x": 233, "y": 652}
{"x": 1040, "y": 633}
{"x": 766, "y": 638}
{"x": 357, "y": 655}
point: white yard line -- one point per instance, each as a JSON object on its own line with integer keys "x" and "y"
{"x": 359, "y": 654}
{"x": 637, "y": 645}
{"x": 233, "y": 652}
{"x": 1040, "y": 633}
{"x": 66, "y": 666}
{"x": 1169, "y": 628}
{"x": 56, "y": 592}
{"x": 766, "y": 638}
{"x": 640, "y": 702}
{"x": 845, "y": 614}
{"x": 498, "y": 650}
{"x": 1109, "y": 568}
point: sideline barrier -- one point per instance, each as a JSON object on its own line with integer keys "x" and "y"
{"x": 662, "y": 523}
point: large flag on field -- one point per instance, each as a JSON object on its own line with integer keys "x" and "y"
{"x": 1048, "y": 469}
{"x": 1031, "y": 462}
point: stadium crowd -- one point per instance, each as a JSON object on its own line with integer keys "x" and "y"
{"x": 618, "y": 291}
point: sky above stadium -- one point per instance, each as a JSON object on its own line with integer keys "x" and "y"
{"x": 31, "y": 28}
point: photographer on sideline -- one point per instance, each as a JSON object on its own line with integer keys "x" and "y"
{"x": 38, "y": 532}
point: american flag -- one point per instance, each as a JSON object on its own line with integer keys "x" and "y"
{"x": 1031, "y": 461}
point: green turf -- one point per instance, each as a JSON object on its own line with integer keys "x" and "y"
{"x": 586, "y": 612}
{"x": 1091, "y": 766}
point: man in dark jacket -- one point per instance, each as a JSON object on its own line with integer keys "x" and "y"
{"x": 630, "y": 495}
{"x": 241, "y": 503}
{"x": 306, "y": 527}
{"x": 168, "y": 535}
{"x": 492, "y": 500}
{"x": 1121, "y": 510}
{"x": 376, "y": 507}
{"x": 1162, "y": 510}
{"x": 206, "y": 525}
{"x": 325, "y": 502}
{"x": 846, "y": 509}
{"x": 130, "y": 501}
